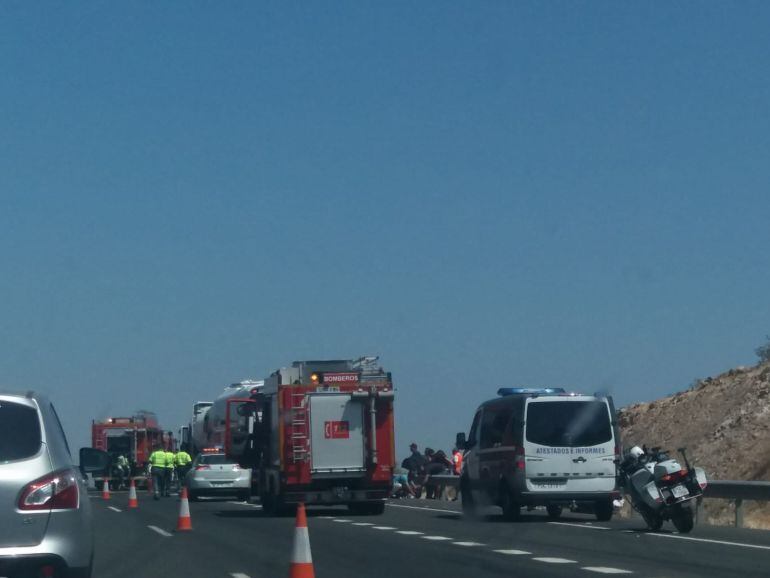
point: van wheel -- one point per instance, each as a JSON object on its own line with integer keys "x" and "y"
{"x": 469, "y": 506}
{"x": 511, "y": 508}
{"x": 554, "y": 511}
{"x": 603, "y": 510}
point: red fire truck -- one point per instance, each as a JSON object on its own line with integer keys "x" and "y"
{"x": 318, "y": 432}
{"x": 133, "y": 437}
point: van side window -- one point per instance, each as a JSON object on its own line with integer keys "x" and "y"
{"x": 473, "y": 434}
{"x": 493, "y": 427}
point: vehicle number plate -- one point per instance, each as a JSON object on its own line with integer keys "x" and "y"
{"x": 680, "y": 491}
{"x": 550, "y": 484}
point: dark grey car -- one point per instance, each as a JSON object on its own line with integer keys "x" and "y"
{"x": 44, "y": 506}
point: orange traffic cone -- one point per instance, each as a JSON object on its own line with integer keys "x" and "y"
{"x": 301, "y": 560}
{"x": 132, "y": 501}
{"x": 106, "y": 489}
{"x": 184, "y": 524}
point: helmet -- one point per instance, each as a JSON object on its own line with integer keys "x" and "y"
{"x": 636, "y": 452}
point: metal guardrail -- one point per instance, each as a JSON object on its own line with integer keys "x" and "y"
{"x": 738, "y": 491}
{"x": 735, "y": 490}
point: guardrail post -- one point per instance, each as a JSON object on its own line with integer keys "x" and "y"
{"x": 698, "y": 510}
{"x": 739, "y": 513}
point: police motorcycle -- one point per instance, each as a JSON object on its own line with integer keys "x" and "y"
{"x": 660, "y": 488}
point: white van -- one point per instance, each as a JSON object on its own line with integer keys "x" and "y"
{"x": 541, "y": 447}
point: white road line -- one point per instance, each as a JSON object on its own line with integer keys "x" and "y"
{"x": 468, "y": 544}
{"x": 606, "y": 570}
{"x": 708, "y": 541}
{"x": 587, "y": 527}
{"x": 363, "y": 524}
{"x": 435, "y": 538}
{"x": 555, "y": 560}
{"x": 341, "y": 520}
{"x": 426, "y": 509}
{"x": 383, "y": 528}
{"x": 159, "y": 531}
{"x": 114, "y": 509}
{"x": 513, "y": 552}
{"x": 325, "y": 517}
{"x": 410, "y": 533}
{"x": 239, "y": 575}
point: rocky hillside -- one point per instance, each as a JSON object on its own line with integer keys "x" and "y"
{"x": 724, "y": 422}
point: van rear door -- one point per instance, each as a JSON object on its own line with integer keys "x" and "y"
{"x": 569, "y": 444}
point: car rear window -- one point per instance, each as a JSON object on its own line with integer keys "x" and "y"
{"x": 568, "y": 423}
{"x": 215, "y": 459}
{"x": 20, "y": 435}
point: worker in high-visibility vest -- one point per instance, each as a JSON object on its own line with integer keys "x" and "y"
{"x": 170, "y": 459}
{"x": 182, "y": 463}
{"x": 158, "y": 471}
{"x": 457, "y": 461}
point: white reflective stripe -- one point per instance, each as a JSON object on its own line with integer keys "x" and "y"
{"x": 114, "y": 509}
{"x": 184, "y": 509}
{"x": 513, "y": 552}
{"x": 301, "y": 551}
{"x": 606, "y": 570}
{"x": 555, "y": 560}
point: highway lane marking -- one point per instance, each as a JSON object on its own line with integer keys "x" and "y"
{"x": 426, "y": 509}
{"x": 341, "y": 520}
{"x": 555, "y": 560}
{"x": 513, "y": 552}
{"x": 580, "y": 526}
{"x": 325, "y": 517}
{"x": 606, "y": 570}
{"x": 383, "y": 528}
{"x": 706, "y": 540}
{"x": 114, "y": 509}
{"x": 363, "y": 524}
{"x": 435, "y": 538}
{"x": 160, "y": 531}
{"x": 410, "y": 533}
{"x": 468, "y": 544}
{"x": 239, "y": 575}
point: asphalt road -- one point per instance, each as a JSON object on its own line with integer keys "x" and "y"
{"x": 413, "y": 539}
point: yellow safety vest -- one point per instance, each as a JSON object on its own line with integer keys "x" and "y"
{"x": 170, "y": 459}
{"x": 183, "y": 458}
{"x": 158, "y": 459}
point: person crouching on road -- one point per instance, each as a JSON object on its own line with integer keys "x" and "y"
{"x": 170, "y": 459}
{"x": 158, "y": 471}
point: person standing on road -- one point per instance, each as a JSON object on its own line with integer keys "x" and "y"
{"x": 183, "y": 461}
{"x": 158, "y": 471}
{"x": 415, "y": 465}
{"x": 170, "y": 459}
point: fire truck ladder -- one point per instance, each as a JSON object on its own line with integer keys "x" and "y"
{"x": 299, "y": 427}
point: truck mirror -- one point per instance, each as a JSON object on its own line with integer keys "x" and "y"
{"x": 460, "y": 441}
{"x": 93, "y": 460}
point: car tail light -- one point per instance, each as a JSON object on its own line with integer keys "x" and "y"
{"x": 199, "y": 468}
{"x": 56, "y": 491}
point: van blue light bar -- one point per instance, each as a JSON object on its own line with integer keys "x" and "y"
{"x": 529, "y": 390}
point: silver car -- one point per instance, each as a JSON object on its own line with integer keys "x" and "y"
{"x": 44, "y": 506}
{"x": 214, "y": 474}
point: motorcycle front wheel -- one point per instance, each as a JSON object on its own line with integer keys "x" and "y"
{"x": 683, "y": 517}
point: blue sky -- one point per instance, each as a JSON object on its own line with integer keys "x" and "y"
{"x": 497, "y": 194}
